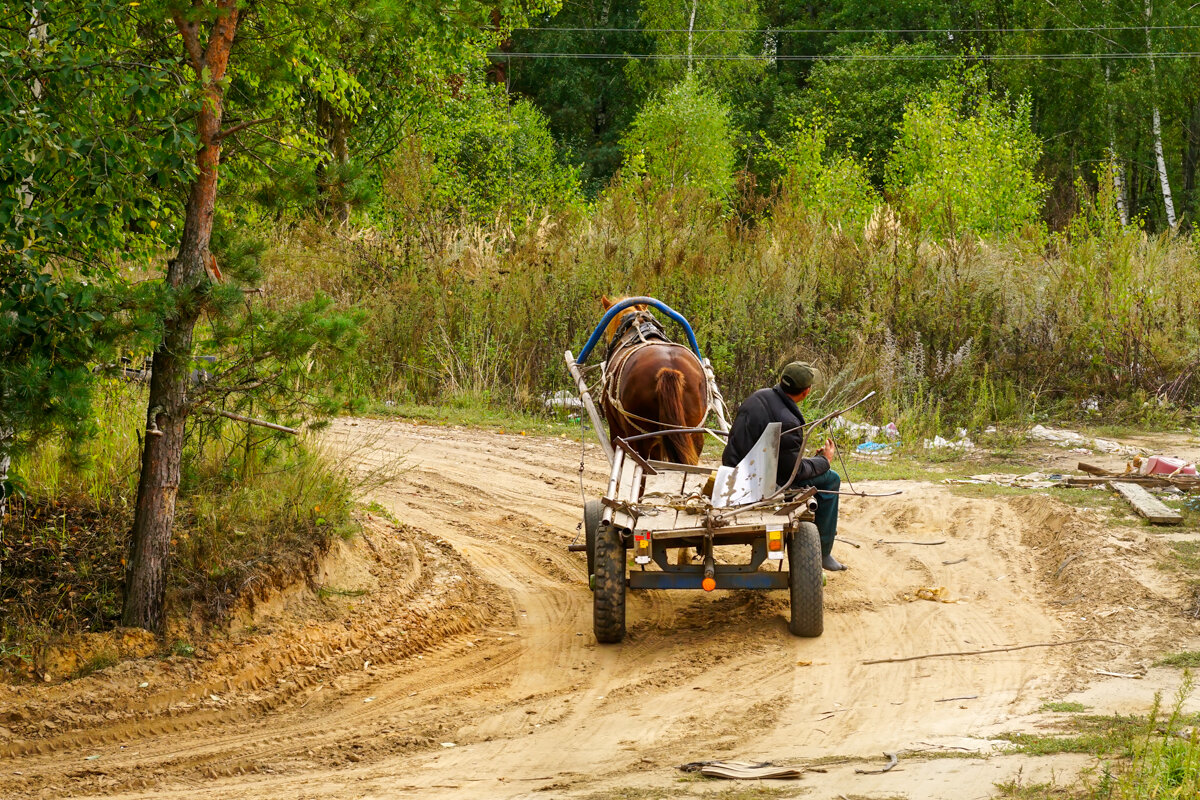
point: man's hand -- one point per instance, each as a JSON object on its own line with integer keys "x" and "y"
{"x": 829, "y": 450}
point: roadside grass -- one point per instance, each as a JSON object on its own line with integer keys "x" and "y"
{"x": 1185, "y": 557}
{"x": 470, "y": 412}
{"x": 252, "y": 510}
{"x": 1155, "y": 756}
{"x": 1064, "y": 707}
{"x": 1185, "y": 660}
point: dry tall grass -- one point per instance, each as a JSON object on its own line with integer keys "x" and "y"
{"x": 965, "y": 330}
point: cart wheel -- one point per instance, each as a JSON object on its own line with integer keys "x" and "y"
{"x": 608, "y": 591}
{"x": 806, "y": 579}
{"x": 592, "y": 511}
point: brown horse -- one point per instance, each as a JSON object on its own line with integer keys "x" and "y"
{"x": 652, "y": 384}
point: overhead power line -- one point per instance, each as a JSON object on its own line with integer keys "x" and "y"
{"x": 832, "y": 31}
{"x": 500, "y": 56}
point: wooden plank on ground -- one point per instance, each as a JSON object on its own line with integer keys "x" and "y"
{"x": 1097, "y": 480}
{"x": 1146, "y": 504}
{"x": 1092, "y": 469}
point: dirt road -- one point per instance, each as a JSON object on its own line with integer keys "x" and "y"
{"x": 452, "y": 656}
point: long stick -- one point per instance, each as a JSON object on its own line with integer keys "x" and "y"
{"x": 994, "y": 650}
{"x": 804, "y": 442}
{"x": 252, "y": 421}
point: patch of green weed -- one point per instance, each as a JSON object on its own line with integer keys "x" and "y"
{"x": 1064, "y": 707}
{"x": 182, "y": 648}
{"x": 1187, "y": 660}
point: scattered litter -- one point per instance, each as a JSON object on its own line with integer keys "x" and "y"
{"x": 369, "y": 700}
{"x": 936, "y": 594}
{"x": 865, "y": 430}
{"x": 1032, "y": 480}
{"x": 1071, "y": 439}
{"x": 1117, "y": 674}
{"x": 143, "y": 684}
{"x": 893, "y": 760}
{"x": 960, "y": 443}
{"x": 875, "y": 448}
{"x": 562, "y": 399}
{"x": 746, "y": 770}
{"x": 964, "y": 697}
{"x": 1162, "y": 465}
{"x": 900, "y": 541}
{"x": 956, "y": 561}
{"x": 91, "y": 758}
{"x": 449, "y": 744}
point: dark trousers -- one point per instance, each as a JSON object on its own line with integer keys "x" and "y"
{"x": 827, "y": 507}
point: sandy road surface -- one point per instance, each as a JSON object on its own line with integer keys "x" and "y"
{"x": 453, "y": 656}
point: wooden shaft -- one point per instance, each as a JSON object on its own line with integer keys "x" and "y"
{"x": 589, "y": 405}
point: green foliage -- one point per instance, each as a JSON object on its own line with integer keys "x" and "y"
{"x": 965, "y": 160}
{"x": 724, "y": 47}
{"x": 95, "y": 146}
{"x": 833, "y": 186}
{"x": 589, "y": 101}
{"x": 861, "y": 98}
{"x": 52, "y": 333}
{"x": 496, "y": 157}
{"x": 682, "y": 138}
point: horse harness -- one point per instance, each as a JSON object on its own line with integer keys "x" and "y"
{"x": 637, "y": 331}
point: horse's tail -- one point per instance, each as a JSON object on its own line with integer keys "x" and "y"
{"x": 669, "y": 388}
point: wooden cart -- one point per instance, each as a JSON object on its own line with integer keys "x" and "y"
{"x": 653, "y": 509}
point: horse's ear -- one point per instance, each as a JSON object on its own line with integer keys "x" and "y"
{"x": 605, "y": 303}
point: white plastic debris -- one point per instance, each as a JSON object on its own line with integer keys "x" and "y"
{"x": 940, "y": 443}
{"x": 1071, "y": 439}
{"x": 562, "y": 399}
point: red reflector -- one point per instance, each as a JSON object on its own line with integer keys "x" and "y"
{"x": 708, "y": 584}
{"x": 774, "y": 544}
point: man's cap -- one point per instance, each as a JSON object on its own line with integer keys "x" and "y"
{"x": 797, "y": 376}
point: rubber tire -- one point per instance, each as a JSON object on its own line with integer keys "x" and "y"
{"x": 608, "y": 595}
{"x": 806, "y": 579}
{"x": 592, "y": 511}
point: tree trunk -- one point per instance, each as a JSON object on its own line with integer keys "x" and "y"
{"x": 1168, "y": 201}
{"x": 1118, "y": 179}
{"x": 331, "y": 176}
{"x": 1118, "y": 171}
{"x": 150, "y": 540}
{"x": 37, "y": 40}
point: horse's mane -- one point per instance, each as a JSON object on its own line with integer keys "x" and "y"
{"x": 615, "y": 324}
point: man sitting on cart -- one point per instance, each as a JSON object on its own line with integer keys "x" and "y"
{"x": 778, "y": 404}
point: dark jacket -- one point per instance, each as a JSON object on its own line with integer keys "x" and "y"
{"x": 756, "y": 412}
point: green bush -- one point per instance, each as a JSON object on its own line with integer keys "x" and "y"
{"x": 862, "y": 95}
{"x": 965, "y": 160}
{"x": 833, "y": 186}
{"x": 682, "y": 139}
{"x": 495, "y": 157}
